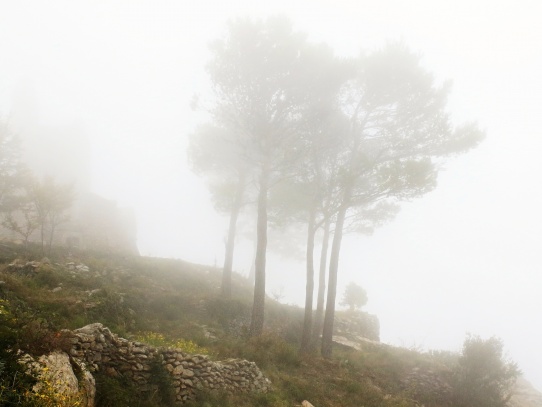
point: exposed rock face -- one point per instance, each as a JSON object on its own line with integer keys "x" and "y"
{"x": 525, "y": 395}
{"x": 56, "y": 379}
{"x": 356, "y": 325}
{"x": 57, "y": 370}
{"x": 356, "y": 328}
{"x": 105, "y": 351}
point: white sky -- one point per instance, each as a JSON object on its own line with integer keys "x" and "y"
{"x": 464, "y": 258}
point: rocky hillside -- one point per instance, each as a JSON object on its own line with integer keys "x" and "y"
{"x": 525, "y": 395}
{"x": 171, "y": 339}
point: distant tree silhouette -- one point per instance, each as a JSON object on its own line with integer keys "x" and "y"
{"x": 52, "y": 202}
{"x": 354, "y": 296}
{"x": 12, "y": 171}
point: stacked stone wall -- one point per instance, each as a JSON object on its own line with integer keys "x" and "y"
{"x": 104, "y": 351}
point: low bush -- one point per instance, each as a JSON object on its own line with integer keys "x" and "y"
{"x": 159, "y": 340}
{"x": 484, "y": 377}
{"x": 115, "y": 391}
{"x": 120, "y": 391}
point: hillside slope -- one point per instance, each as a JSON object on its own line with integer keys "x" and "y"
{"x": 171, "y": 302}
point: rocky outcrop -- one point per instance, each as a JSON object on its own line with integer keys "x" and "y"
{"x": 61, "y": 379}
{"x": 525, "y": 395}
{"x": 354, "y": 329}
{"x": 356, "y": 325}
{"x": 104, "y": 351}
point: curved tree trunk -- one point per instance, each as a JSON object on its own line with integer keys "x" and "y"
{"x": 327, "y": 334}
{"x": 319, "y": 317}
{"x": 258, "y": 307}
{"x": 230, "y": 243}
{"x": 309, "y": 290}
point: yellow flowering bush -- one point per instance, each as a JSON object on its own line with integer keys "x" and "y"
{"x": 159, "y": 340}
{"x": 3, "y": 307}
{"x": 47, "y": 393}
{"x": 6, "y": 316}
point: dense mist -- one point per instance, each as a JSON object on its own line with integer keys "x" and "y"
{"x": 109, "y": 97}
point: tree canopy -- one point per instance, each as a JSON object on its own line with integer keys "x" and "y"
{"x": 354, "y": 296}
{"x": 333, "y": 143}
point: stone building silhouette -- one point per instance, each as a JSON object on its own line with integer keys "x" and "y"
{"x": 62, "y": 152}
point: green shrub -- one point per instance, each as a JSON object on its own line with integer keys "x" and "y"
{"x": 223, "y": 399}
{"x": 115, "y": 391}
{"x": 161, "y": 380}
{"x": 121, "y": 391}
{"x": 226, "y": 311}
{"x": 47, "y": 276}
{"x": 37, "y": 337}
{"x": 112, "y": 310}
{"x": 267, "y": 350}
{"x": 14, "y": 384}
{"x": 484, "y": 378}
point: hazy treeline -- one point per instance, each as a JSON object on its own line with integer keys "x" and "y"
{"x": 308, "y": 137}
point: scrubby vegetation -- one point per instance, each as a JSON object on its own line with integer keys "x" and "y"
{"x": 174, "y": 303}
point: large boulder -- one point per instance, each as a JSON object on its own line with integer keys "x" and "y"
{"x": 61, "y": 379}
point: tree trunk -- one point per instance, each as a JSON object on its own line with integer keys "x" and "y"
{"x": 258, "y": 307}
{"x": 327, "y": 334}
{"x": 319, "y": 318}
{"x": 55, "y": 219}
{"x": 230, "y": 244}
{"x": 309, "y": 290}
{"x": 43, "y": 237}
{"x": 51, "y": 235}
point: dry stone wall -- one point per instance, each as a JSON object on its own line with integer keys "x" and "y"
{"x": 104, "y": 351}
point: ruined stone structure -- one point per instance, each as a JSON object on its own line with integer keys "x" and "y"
{"x": 99, "y": 224}
{"x": 62, "y": 152}
{"x": 99, "y": 349}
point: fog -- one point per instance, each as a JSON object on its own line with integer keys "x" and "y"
{"x": 463, "y": 258}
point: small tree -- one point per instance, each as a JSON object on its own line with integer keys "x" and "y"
{"x": 12, "y": 171}
{"x": 18, "y": 211}
{"x": 52, "y": 202}
{"x": 354, "y": 296}
{"x": 21, "y": 215}
{"x": 484, "y": 378}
